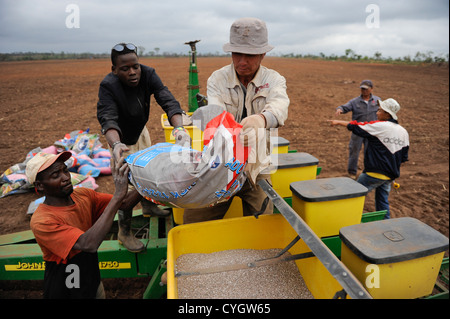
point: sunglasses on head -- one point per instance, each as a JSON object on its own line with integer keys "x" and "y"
{"x": 121, "y": 47}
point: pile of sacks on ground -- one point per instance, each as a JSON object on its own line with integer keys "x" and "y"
{"x": 89, "y": 160}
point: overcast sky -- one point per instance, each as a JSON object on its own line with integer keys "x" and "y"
{"x": 396, "y": 28}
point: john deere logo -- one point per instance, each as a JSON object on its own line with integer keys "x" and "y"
{"x": 393, "y": 235}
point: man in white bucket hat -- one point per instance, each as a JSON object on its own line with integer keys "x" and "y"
{"x": 387, "y": 149}
{"x": 390, "y": 106}
{"x": 257, "y": 98}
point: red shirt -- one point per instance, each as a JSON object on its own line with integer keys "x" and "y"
{"x": 57, "y": 229}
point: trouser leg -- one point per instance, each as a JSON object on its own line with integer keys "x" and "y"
{"x": 252, "y": 201}
{"x": 125, "y": 235}
{"x": 151, "y": 209}
{"x": 354, "y": 148}
{"x": 205, "y": 214}
{"x": 382, "y": 189}
{"x": 253, "y": 198}
{"x": 382, "y": 198}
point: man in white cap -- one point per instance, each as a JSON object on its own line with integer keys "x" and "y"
{"x": 257, "y": 98}
{"x": 387, "y": 149}
{"x": 364, "y": 109}
{"x": 71, "y": 224}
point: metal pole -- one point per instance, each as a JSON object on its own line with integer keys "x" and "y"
{"x": 337, "y": 269}
{"x": 193, "y": 86}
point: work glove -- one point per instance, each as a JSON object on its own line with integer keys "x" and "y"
{"x": 182, "y": 137}
{"x": 251, "y": 126}
{"x": 252, "y": 134}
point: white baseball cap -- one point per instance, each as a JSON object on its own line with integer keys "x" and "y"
{"x": 391, "y": 106}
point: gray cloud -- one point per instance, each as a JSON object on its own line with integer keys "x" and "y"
{"x": 299, "y": 27}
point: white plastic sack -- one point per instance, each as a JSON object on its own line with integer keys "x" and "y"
{"x": 179, "y": 176}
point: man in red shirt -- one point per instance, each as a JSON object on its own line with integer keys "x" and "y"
{"x": 71, "y": 224}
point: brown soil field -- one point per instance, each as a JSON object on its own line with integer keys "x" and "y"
{"x": 40, "y": 101}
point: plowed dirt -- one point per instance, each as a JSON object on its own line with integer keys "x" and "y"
{"x": 40, "y": 101}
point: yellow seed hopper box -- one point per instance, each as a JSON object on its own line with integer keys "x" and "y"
{"x": 279, "y": 144}
{"x": 396, "y": 258}
{"x": 291, "y": 167}
{"x": 328, "y": 204}
{"x": 195, "y": 133}
{"x": 266, "y": 232}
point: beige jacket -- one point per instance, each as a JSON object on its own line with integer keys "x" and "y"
{"x": 266, "y": 94}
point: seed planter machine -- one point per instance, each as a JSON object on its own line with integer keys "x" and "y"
{"x": 328, "y": 254}
{"x": 339, "y": 251}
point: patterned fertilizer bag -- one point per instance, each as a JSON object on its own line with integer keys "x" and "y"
{"x": 85, "y": 143}
{"x": 182, "y": 177}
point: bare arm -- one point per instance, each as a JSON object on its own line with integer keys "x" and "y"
{"x": 93, "y": 237}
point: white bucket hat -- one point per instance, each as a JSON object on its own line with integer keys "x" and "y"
{"x": 248, "y": 36}
{"x": 391, "y": 106}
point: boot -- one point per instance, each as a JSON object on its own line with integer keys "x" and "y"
{"x": 125, "y": 235}
{"x": 151, "y": 209}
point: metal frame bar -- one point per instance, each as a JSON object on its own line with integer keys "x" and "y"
{"x": 336, "y": 268}
{"x": 23, "y": 261}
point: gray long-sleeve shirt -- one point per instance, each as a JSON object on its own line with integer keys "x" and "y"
{"x": 362, "y": 111}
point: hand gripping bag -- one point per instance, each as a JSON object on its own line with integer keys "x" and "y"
{"x": 179, "y": 176}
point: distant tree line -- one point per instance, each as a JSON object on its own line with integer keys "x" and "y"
{"x": 349, "y": 55}
{"x": 28, "y": 56}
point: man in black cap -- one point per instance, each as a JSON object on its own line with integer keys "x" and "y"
{"x": 364, "y": 109}
{"x": 123, "y": 110}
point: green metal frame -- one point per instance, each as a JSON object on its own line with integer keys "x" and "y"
{"x": 441, "y": 285}
{"x": 21, "y": 256}
{"x": 155, "y": 289}
{"x": 21, "y": 251}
